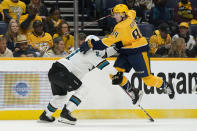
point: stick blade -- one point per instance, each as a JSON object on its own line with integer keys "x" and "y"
{"x": 151, "y": 120}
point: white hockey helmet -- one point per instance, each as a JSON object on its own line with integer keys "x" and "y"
{"x": 90, "y": 37}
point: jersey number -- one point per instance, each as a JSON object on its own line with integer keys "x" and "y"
{"x": 136, "y": 34}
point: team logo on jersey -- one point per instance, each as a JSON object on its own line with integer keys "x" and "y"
{"x": 115, "y": 34}
{"x": 132, "y": 24}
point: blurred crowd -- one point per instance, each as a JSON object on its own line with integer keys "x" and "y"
{"x": 35, "y": 31}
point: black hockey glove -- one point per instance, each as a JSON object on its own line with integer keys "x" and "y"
{"x": 84, "y": 47}
{"x": 118, "y": 45}
{"x": 117, "y": 79}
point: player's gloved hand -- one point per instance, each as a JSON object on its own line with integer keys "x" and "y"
{"x": 118, "y": 45}
{"x": 84, "y": 47}
{"x": 117, "y": 79}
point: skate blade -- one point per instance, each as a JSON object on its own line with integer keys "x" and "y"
{"x": 43, "y": 121}
{"x": 65, "y": 121}
{"x": 140, "y": 97}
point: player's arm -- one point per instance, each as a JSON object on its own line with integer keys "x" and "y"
{"x": 108, "y": 52}
{"x": 114, "y": 38}
{"x": 97, "y": 45}
{"x": 5, "y": 9}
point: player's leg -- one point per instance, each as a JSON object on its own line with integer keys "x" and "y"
{"x": 141, "y": 64}
{"x": 59, "y": 96}
{"x": 59, "y": 90}
{"x": 73, "y": 103}
{"x": 134, "y": 93}
{"x": 122, "y": 65}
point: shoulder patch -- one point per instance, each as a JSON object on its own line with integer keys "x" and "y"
{"x": 115, "y": 34}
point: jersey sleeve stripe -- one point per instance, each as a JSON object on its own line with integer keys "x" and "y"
{"x": 102, "y": 64}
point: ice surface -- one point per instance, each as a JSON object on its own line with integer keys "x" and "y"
{"x": 102, "y": 125}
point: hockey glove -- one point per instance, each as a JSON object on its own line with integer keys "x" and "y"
{"x": 118, "y": 45}
{"x": 85, "y": 46}
{"x": 117, "y": 79}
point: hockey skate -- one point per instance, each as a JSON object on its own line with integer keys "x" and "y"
{"x": 45, "y": 118}
{"x": 168, "y": 88}
{"x": 66, "y": 117}
{"x": 135, "y": 94}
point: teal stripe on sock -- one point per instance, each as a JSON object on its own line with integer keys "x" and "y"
{"x": 74, "y": 100}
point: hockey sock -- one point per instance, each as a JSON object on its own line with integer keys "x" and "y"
{"x": 126, "y": 86}
{"x": 73, "y": 103}
{"x": 153, "y": 81}
{"x": 50, "y": 110}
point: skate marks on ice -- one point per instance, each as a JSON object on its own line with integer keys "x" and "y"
{"x": 103, "y": 125}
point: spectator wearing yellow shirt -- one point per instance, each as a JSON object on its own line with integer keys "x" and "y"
{"x": 42, "y": 9}
{"x": 39, "y": 39}
{"x": 52, "y": 21}
{"x": 26, "y": 21}
{"x": 161, "y": 40}
{"x": 1, "y": 13}
{"x": 63, "y": 31}
{"x": 13, "y": 9}
{"x": 184, "y": 12}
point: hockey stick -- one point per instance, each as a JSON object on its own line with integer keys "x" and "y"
{"x": 95, "y": 21}
{"x": 150, "y": 118}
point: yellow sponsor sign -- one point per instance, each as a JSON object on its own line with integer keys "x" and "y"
{"x": 21, "y": 89}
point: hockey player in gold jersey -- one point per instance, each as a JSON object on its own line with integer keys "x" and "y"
{"x": 133, "y": 49}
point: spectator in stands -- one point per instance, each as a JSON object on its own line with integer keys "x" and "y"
{"x": 184, "y": 12}
{"x": 184, "y": 33}
{"x": 24, "y": 49}
{"x": 57, "y": 50}
{"x": 193, "y": 51}
{"x": 52, "y": 22}
{"x": 159, "y": 14}
{"x": 89, "y": 8}
{"x": 13, "y": 9}
{"x": 160, "y": 42}
{"x": 178, "y": 48}
{"x": 140, "y": 9}
{"x": 82, "y": 37}
{"x": 39, "y": 39}
{"x": 108, "y": 23}
{"x": 26, "y": 1}
{"x": 1, "y": 13}
{"x": 12, "y": 33}
{"x": 42, "y": 9}
{"x": 63, "y": 30}
{"x": 147, "y": 3}
{"x": 26, "y": 21}
{"x": 4, "y": 51}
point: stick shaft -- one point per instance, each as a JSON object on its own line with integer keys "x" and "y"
{"x": 150, "y": 118}
{"x": 95, "y": 21}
